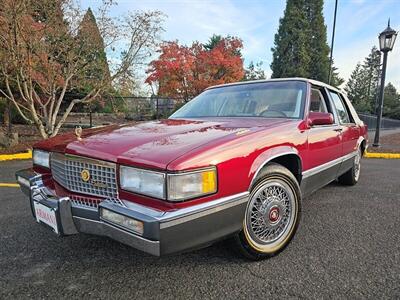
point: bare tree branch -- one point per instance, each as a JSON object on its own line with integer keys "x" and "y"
{"x": 42, "y": 57}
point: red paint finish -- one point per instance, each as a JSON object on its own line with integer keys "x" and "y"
{"x": 324, "y": 144}
{"x": 238, "y": 147}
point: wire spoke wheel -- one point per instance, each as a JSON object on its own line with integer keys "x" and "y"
{"x": 270, "y": 215}
{"x": 357, "y": 165}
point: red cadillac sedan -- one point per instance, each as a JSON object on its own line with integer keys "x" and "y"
{"x": 236, "y": 161}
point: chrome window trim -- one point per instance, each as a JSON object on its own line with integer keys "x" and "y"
{"x": 325, "y": 126}
{"x": 307, "y": 80}
{"x": 330, "y": 91}
{"x": 329, "y": 164}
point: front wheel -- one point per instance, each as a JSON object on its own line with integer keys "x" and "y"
{"x": 272, "y": 214}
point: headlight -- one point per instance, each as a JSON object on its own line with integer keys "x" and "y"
{"x": 41, "y": 158}
{"x": 143, "y": 181}
{"x": 192, "y": 184}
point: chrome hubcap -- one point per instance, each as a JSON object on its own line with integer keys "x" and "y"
{"x": 270, "y": 213}
{"x": 274, "y": 215}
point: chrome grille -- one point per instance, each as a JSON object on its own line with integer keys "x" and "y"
{"x": 90, "y": 202}
{"x": 66, "y": 170}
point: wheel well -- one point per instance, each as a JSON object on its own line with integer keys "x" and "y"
{"x": 363, "y": 144}
{"x": 292, "y": 163}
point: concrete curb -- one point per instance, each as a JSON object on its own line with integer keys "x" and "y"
{"x": 16, "y": 156}
{"x": 13, "y": 185}
{"x": 382, "y": 155}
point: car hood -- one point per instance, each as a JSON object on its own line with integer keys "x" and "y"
{"x": 154, "y": 144}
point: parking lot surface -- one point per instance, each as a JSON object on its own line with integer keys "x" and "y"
{"x": 347, "y": 246}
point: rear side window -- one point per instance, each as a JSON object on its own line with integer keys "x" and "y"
{"x": 341, "y": 110}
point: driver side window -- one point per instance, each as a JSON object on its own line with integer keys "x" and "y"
{"x": 317, "y": 101}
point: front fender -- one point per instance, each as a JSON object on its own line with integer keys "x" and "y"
{"x": 268, "y": 155}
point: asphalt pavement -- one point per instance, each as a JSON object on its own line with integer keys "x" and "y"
{"x": 347, "y": 246}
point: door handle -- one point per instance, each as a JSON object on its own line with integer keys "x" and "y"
{"x": 338, "y": 129}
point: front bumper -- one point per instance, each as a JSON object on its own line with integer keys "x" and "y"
{"x": 163, "y": 232}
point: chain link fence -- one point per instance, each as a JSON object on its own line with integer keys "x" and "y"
{"x": 370, "y": 120}
{"x": 147, "y": 108}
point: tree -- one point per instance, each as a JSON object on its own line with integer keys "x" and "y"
{"x": 301, "y": 48}
{"x": 216, "y": 39}
{"x": 254, "y": 72}
{"x": 356, "y": 90}
{"x": 184, "y": 72}
{"x": 173, "y": 71}
{"x": 213, "y": 42}
{"x": 391, "y": 107}
{"x": 336, "y": 80}
{"x": 362, "y": 86}
{"x": 291, "y": 50}
{"x": 371, "y": 74}
{"x": 317, "y": 44}
{"x": 91, "y": 48}
{"x": 5, "y": 114}
{"x": 41, "y": 55}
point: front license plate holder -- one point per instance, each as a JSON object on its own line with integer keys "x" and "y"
{"x": 47, "y": 215}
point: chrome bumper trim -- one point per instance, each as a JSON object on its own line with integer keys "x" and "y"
{"x": 184, "y": 215}
{"x": 101, "y": 228}
{"x": 164, "y": 232}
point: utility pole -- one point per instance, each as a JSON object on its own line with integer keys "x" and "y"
{"x": 332, "y": 43}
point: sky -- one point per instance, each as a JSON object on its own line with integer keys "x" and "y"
{"x": 358, "y": 25}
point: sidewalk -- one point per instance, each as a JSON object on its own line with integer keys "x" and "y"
{"x": 389, "y": 140}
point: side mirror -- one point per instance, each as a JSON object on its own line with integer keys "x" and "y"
{"x": 320, "y": 118}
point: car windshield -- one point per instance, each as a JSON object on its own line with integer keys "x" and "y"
{"x": 273, "y": 99}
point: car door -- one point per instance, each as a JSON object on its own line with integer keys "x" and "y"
{"x": 350, "y": 130}
{"x": 324, "y": 145}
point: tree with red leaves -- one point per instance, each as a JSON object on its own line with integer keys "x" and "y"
{"x": 184, "y": 72}
{"x": 47, "y": 50}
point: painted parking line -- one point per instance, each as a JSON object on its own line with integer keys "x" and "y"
{"x": 14, "y": 185}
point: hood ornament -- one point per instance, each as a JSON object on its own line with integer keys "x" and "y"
{"x": 78, "y": 133}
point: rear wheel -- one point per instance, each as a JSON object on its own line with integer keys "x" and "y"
{"x": 272, "y": 214}
{"x": 352, "y": 176}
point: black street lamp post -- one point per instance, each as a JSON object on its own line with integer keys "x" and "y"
{"x": 386, "y": 43}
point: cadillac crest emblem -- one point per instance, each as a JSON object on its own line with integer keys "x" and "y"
{"x": 85, "y": 175}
